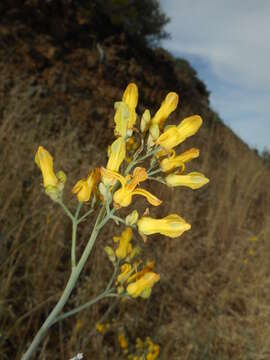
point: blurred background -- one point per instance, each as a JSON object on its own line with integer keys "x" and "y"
{"x": 63, "y": 64}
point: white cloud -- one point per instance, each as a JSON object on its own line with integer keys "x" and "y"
{"x": 232, "y": 36}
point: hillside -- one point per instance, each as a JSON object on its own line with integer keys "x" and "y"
{"x": 213, "y": 298}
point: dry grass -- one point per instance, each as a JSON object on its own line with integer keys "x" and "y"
{"x": 213, "y": 299}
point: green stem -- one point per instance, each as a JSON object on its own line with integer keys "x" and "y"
{"x": 85, "y": 215}
{"x": 117, "y": 218}
{"x": 103, "y": 295}
{"x": 154, "y": 172}
{"x": 69, "y": 214}
{"x": 74, "y": 235}
{"x": 68, "y": 289}
{"x": 133, "y": 163}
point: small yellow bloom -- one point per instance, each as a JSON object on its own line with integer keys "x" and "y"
{"x": 143, "y": 286}
{"x": 122, "y": 341}
{"x": 175, "y": 135}
{"x": 84, "y": 187}
{"x": 251, "y": 252}
{"x": 124, "y": 247}
{"x": 193, "y": 180}
{"x": 44, "y": 161}
{"x": 173, "y": 161}
{"x": 102, "y": 328}
{"x": 172, "y": 225}
{"x": 123, "y": 196}
{"x": 167, "y": 107}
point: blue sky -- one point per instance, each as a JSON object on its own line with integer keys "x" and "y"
{"x": 228, "y": 43}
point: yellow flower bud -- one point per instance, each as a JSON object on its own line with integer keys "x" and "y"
{"x": 172, "y": 225}
{"x": 141, "y": 287}
{"x": 44, "y": 161}
{"x": 124, "y": 247}
{"x": 121, "y": 119}
{"x": 145, "y": 121}
{"x": 130, "y": 97}
{"x": 132, "y": 218}
{"x": 193, "y": 180}
{"x": 167, "y": 107}
{"x": 175, "y": 135}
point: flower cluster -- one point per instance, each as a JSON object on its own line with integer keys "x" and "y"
{"x": 144, "y": 149}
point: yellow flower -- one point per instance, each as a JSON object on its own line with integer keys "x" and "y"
{"x": 143, "y": 286}
{"x": 167, "y": 107}
{"x": 172, "y": 225}
{"x": 53, "y": 183}
{"x": 84, "y": 187}
{"x": 175, "y": 135}
{"x": 125, "y": 115}
{"x": 193, "y": 180}
{"x": 173, "y": 161}
{"x": 124, "y": 247}
{"x": 122, "y": 341}
{"x": 130, "y": 97}
{"x": 126, "y": 271}
{"x": 102, "y": 328}
{"x": 44, "y": 161}
{"x": 148, "y": 268}
{"x": 123, "y": 196}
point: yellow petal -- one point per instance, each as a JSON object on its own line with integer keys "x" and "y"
{"x": 124, "y": 244}
{"x": 113, "y": 174}
{"x": 170, "y": 138}
{"x": 82, "y": 190}
{"x": 122, "y": 197}
{"x": 117, "y": 154}
{"x": 193, "y": 180}
{"x": 44, "y": 161}
{"x": 175, "y": 135}
{"x": 153, "y": 200}
{"x": 138, "y": 287}
{"x": 130, "y": 96}
{"x": 121, "y": 119}
{"x": 178, "y": 161}
{"x": 167, "y": 107}
{"x": 172, "y": 225}
{"x": 189, "y": 126}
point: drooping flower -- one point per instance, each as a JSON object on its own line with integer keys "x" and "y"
{"x": 193, "y": 180}
{"x": 175, "y": 135}
{"x": 125, "y": 246}
{"x": 53, "y": 183}
{"x": 173, "y": 162}
{"x": 123, "y": 196}
{"x": 143, "y": 286}
{"x": 84, "y": 187}
{"x": 172, "y": 225}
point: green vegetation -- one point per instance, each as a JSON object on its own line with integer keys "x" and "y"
{"x": 141, "y": 20}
